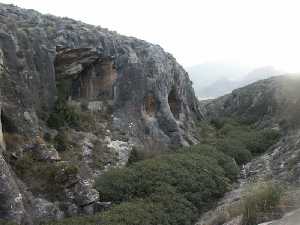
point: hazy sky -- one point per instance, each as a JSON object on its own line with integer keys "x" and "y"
{"x": 253, "y": 32}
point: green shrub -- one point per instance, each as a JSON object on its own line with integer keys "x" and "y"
{"x": 219, "y": 123}
{"x": 240, "y": 140}
{"x": 256, "y": 141}
{"x": 164, "y": 207}
{"x": 45, "y": 177}
{"x": 234, "y": 148}
{"x": 259, "y": 200}
{"x": 197, "y": 177}
{"x": 63, "y": 115}
{"x": 62, "y": 141}
{"x": 226, "y": 162}
{"x": 137, "y": 155}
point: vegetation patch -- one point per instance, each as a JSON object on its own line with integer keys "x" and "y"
{"x": 62, "y": 140}
{"x": 45, "y": 177}
{"x": 63, "y": 115}
{"x": 260, "y": 202}
{"x": 174, "y": 188}
{"x": 239, "y": 140}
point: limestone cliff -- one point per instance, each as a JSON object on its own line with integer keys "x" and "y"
{"x": 126, "y": 92}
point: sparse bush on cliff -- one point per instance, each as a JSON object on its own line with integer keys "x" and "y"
{"x": 63, "y": 115}
{"x": 62, "y": 141}
{"x": 44, "y": 177}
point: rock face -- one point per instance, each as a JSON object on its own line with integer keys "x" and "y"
{"x": 131, "y": 92}
{"x": 271, "y": 102}
{"x": 39, "y": 50}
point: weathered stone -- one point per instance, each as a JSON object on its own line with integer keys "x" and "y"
{"x": 85, "y": 194}
{"x": 123, "y": 150}
{"x": 46, "y": 152}
{"x": 44, "y": 210}
{"x": 11, "y": 207}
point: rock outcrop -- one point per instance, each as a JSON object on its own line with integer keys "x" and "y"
{"x": 268, "y": 103}
{"x": 127, "y": 92}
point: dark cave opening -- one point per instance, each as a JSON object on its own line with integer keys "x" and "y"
{"x": 98, "y": 81}
{"x": 84, "y": 74}
{"x": 174, "y": 103}
{"x": 8, "y": 125}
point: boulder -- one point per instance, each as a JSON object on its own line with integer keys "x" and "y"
{"x": 44, "y": 210}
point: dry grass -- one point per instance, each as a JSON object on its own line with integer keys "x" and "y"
{"x": 261, "y": 203}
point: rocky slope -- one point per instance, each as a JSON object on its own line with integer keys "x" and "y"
{"x": 271, "y": 103}
{"x": 54, "y": 72}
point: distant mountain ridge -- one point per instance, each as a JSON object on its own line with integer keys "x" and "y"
{"x": 214, "y": 80}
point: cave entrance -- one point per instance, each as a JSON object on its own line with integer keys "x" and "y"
{"x": 83, "y": 73}
{"x": 150, "y": 105}
{"x": 174, "y": 103}
{"x": 97, "y": 82}
{"x": 8, "y": 125}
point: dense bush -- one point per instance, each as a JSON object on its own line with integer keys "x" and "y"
{"x": 234, "y": 148}
{"x": 199, "y": 178}
{"x": 226, "y": 162}
{"x": 164, "y": 207}
{"x": 240, "y": 140}
{"x": 256, "y": 141}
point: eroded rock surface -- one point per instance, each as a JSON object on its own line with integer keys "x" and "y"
{"x": 272, "y": 102}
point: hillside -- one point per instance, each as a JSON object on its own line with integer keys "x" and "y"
{"x": 271, "y": 103}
